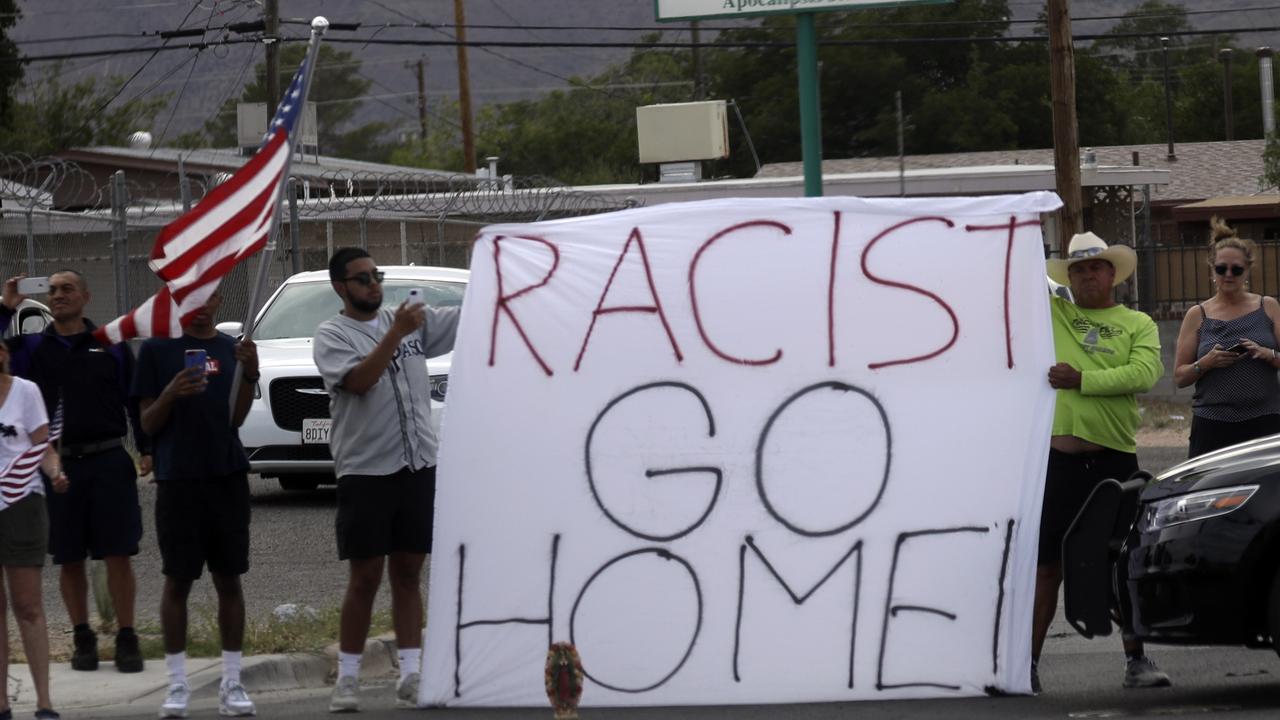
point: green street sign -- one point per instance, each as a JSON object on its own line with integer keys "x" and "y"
{"x": 700, "y": 9}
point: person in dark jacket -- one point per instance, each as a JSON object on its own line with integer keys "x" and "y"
{"x": 99, "y": 515}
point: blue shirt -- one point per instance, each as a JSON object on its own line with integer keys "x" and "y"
{"x": 197, "y": 441}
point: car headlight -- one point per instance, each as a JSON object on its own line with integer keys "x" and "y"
{"x": 439, "y": 385}
{"x": 1196, "y": 506}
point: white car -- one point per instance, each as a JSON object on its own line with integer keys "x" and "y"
{"x": 31, "y": 317}
{"x": 286, "y": 433}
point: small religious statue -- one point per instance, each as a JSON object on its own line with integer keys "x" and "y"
{"x": 564, "y": 680}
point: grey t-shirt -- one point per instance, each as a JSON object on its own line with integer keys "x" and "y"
{"x": 389, "y": 427}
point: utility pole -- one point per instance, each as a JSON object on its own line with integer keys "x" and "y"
{"x": 699, "y": 89}
{"x": 1168, "y": 99}
{"x": 1228, "y": 117}
{"x": 1066, "y": 143}
{"x": 271, "y": 27}
{"x": 422, "y": 99}
{"x": 464, "y": 91}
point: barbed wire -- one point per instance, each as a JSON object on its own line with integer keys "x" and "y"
{"x": 52, "y": 184}
{"x": 507, "y": 198}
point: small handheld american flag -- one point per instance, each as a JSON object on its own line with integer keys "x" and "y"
{"x": 20, "y": 477}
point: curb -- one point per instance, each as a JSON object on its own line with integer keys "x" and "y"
{"x": 260, "y": 673}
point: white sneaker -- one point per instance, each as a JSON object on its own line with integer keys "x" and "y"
{"x": 175, "y": 701}
{"x": 233, "y": 701}
{"x": 345, "y": 697}
{"x": 1141, "y": 672}
{"x": 407, "y": 691}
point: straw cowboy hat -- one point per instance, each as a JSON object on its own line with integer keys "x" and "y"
{"x": 1087, "y": 246}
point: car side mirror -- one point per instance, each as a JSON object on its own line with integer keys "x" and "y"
{"x": 234, "y": 329}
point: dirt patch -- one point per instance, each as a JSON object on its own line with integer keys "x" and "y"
{"x": 1162, "y": 437}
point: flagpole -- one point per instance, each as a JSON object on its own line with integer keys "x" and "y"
{"x": 318, "y": 27}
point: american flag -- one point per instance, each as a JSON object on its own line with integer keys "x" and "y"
{"x": 231, "y": 223}
{"x": 20, "y": 477}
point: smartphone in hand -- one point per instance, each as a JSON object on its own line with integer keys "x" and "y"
{"x": 416, "y": 298}
{"x": 33, "y": 285}
{"x": 195, "y": 358}
{"x": 1238, "y": 349}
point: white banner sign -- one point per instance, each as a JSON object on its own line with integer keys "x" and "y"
{"x": 693, "y": 9}
{"x": 746, "y": 451}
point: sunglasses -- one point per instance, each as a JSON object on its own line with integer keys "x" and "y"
{"x": 366, "y": 279}
{"x": 1236, "y": 270}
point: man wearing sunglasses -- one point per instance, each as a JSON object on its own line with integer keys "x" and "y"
{"x": 373, "y": 362}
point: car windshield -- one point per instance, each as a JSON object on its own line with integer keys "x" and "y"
{"x": 300, "y": 308}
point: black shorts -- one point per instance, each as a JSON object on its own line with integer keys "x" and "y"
{"x": 1068, "y": 482}
{"x": 99, "y": 515}
{"x": 1209, "y": 435}
{"x": 203, "y": 521}
{"x": 382, "y": 514}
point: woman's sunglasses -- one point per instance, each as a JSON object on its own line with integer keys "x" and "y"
{"x": 1236, "y": 270}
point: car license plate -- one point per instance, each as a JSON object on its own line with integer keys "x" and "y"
{"x": 315, "y": 431}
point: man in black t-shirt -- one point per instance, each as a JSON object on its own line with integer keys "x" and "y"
{"x": 202, "y": 490}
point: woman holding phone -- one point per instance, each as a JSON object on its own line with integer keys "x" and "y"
{"x": 25, "y": 449}
{"x": 1227, "y": 348}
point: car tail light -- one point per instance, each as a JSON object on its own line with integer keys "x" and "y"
{"x": 1195, "y": 506}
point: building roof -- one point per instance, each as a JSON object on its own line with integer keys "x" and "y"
{"x": 229, "y": 159}
{"x": 1202, "y": 170}
{"x": 1231, "y": 207}
{"x": 955, "y": 180}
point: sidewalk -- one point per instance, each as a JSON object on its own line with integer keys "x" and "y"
{"x": 75, "y": 692}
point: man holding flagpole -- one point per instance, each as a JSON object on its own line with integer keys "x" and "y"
{"x": 236, "y": 220}
{"x": 183, "y": 387}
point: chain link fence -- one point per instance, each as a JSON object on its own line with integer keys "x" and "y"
{"x": 109, "y": 234}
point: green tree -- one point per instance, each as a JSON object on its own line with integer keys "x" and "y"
{"x": 55, "y": 116}
{"x": 335, "y": 88}
{"x": 948, "y": 91}
{"x": 583, "y": 135}
{"x": 441, "y": 149}
{"x": 10, "y": 66}
{"x": 1144, "y": 55}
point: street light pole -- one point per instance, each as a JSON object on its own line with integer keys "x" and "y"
{"x": 1227, "y": 114}
{"x": 1168, "y": 99}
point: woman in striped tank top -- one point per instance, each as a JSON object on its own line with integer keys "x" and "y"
{"x": 1227, "y": 348}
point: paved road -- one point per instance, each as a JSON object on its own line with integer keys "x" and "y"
{"x": 293, "y": 559}
{"x": 1082, "y": 680}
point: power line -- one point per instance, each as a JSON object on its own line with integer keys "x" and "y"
{"x": 663, "y": 45}
{"x": 183, "y": 90}
{"x": 440, "y": 27}
{"x": 119, "y": 91}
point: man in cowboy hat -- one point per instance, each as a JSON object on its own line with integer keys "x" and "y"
{"x": 1106, "y": 354}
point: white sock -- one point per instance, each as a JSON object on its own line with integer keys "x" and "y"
{"x": 348, "y": 664}
{"x": 410, "y": 661}
{"x": 177, "y": 666}
{"x": 231, "y": 666}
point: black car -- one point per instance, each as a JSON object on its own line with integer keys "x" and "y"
{"x": 1196, "y": 561}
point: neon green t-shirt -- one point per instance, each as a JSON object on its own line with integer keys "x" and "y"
{"x": 1117, "y": 351}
